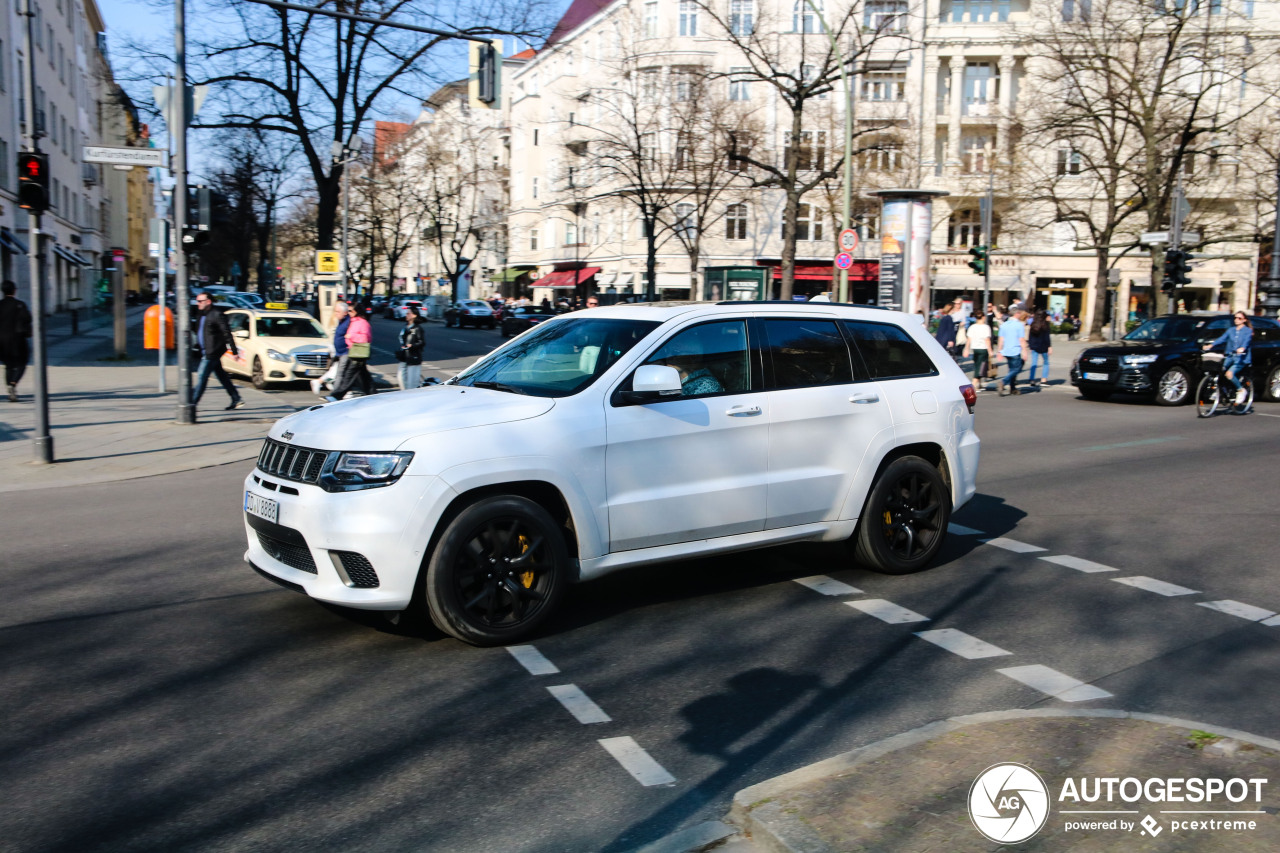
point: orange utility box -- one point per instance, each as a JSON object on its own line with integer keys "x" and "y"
{"x": 151, "y": 328}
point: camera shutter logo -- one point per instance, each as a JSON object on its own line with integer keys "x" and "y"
{"x": 1008, "y": 803}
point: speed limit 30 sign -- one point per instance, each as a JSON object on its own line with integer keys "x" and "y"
{"x": 848, "y": 240}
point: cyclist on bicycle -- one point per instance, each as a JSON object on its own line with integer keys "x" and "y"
{"x": 1239, "y": 341}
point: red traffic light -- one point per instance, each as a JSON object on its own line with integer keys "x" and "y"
{"x": 33, "y": 181}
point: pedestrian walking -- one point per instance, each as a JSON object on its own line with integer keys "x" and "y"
{"x": 15, "y": 330}
{"x": 336, "y": 325}
{"x": 359, "y": 340}
{"x": 1039, "y": 342}
{"x": 946, "y": 333}
{"x": 979, "y": 346}
{"x": 1013, "y": 347}
{"x": 410, "y": 353}
{"x": 213, "y": 338}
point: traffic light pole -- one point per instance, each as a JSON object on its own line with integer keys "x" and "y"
{"x": 1175, "y": 235}
{"x": 988, "y": 223}
{"x": 178, "y": 103}
{"x": 42, "y": 441}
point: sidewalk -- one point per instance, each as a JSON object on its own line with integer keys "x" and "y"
{"x": 109, "y": 422}
{"x": 912, "y": 792}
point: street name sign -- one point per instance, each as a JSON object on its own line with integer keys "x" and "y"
{"x": 848, "y": 240}
{"x": 1150, "y": 238}
{"x": 148, "y": 157}
{"x": 328, "y": 261}
{"x": 844, "y": 260}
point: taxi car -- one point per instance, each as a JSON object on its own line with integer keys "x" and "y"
{"x": 618, "y": 438}
{"x": 278, "y": 344}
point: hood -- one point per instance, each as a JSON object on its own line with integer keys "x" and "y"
{"x": 385, "y": 421}
{"x": 1134, "y": 347}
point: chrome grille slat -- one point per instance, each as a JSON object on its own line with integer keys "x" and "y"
{"x": 312, "y": 359}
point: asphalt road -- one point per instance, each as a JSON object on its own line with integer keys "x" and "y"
{"x": 160, "y": 696}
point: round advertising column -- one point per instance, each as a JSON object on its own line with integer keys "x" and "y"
{"x": 906, "y": 225}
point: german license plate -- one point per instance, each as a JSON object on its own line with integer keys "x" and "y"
{"x": 315, "y": 372}
{"x": 262, "y": 507}
{"x": 1098, "y": 377}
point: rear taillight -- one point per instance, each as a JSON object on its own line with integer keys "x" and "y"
{"x": 970, "y": 396}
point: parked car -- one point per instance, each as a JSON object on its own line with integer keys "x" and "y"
{"x": 645, "y": 433}
{"x": 1161, "y": 358}
{"x": 389, "y": 309}
{"x": 399, "y": 311}
{"x": 469, "y": 312}
{"x": 520, "y": 317}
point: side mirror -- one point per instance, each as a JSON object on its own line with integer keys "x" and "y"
{"x": 653, "y": 382}
{"x": 240, "y": 333}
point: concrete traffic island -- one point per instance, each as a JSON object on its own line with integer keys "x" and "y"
{"x": 913, "y": 792}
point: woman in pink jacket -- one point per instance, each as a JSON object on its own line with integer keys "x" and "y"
{"x": 359, "y": 339}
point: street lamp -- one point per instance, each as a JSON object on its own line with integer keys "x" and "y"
{"x": 344, "y": 154}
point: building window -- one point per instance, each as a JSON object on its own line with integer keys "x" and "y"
{"x": 535, "y": 187}
{"x": 981, "y": 88}
{"x": 570, "y": 233}
{"x": 812, "y": 154}
{"x": 975, "y": 152}
{"x": 884, "y": 85}
{"x": 649, "y": 85}
{"x": 684, "y": 220}
{"x": 736, "y": 222}
{"x": 684, "y": 89}
{"x": 688, "y": 18}
{"x": 741, "y": 17}
{"x": 739, "y": 150}
{"x": 533, "y": 239}
{"x": 808, "y": 222}
{"x": 965, "y": 229}
{"x": 1076, "y": 10}
{"x": 4, "y": 163}
{"x": 978, "y": 11}
{"x": 535, "y": 137}
{"x": 649, "y": 147}
{"x": 651, "y": 19}
{"x": 885, "y": 16}
{"x": 1069, "y": 161}
{"x": 868, "y": 226}
{"x": 809, "y": 73}
{"x": 684, "y": 151}
{"x": 885, "y": 156}
{"x": 804, "y": 19}
{"x": 739, "y": 84}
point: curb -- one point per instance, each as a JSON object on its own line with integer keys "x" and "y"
{"x": 764, "y": 820}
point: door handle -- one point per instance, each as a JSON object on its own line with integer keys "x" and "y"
{"x": 738, "y": 411}
{"x": 863, "y": 399}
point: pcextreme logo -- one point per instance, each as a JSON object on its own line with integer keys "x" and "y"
{"x": 1008, "y": 803}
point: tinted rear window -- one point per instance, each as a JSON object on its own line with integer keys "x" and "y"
{"x": 888, "y": 351}
{"x": 806, "y": 353}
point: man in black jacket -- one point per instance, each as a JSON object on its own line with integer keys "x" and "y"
{"x": 15, "y": 329}
{"x": 212, "y": 338}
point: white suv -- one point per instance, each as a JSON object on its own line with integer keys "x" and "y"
{"x": 612, "y": 438}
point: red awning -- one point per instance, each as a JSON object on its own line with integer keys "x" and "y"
{"x": 860, "y": 271}
{"x": 566, "y": 278}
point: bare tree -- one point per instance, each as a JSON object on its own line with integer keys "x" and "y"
{"x": 1123, "y": 98}
{"x": 801, "y": 64}
{"x": 385, "y": 210}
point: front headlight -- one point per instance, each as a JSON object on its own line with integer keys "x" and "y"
{"x": 1139, "y": 359}
{"x": 279, "y": 356}
{"x": 353, "y": 471}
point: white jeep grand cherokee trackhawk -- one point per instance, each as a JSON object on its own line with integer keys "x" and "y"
{"x": 613, "y": 438}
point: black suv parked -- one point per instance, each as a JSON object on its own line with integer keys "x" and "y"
{"x": 1162, "y": 357}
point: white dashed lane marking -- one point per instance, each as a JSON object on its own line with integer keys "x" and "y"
{"x": 1153, "y": 585}
{"x": 1237, "y": 608}
{"x": 961, "y": 530}
{"x": 962, "y": 644}
{"x": 533, "y": 660}
{"x": 1078, "y": 564}
{"x": 1054, "y": 683}
{"x": 579, "y": 704}
{"x": 887, "y": 611}
{"x": 827, "y": 586}
{"x": 1014, "y": 545}
{"x": 1274, "y": 620}
{"x": 636, "y": 761}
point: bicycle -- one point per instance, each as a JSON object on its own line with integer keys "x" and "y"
{"x": 1214, "y": 392}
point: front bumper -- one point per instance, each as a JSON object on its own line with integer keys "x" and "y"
{"x": 321, "y": 541}
{"x": 1132, "y": 379}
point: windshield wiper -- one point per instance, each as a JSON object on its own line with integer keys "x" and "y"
{"x": 498, "y": 386}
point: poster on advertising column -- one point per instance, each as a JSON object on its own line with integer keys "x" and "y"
{"x": 918, "y": 255}
{"x": 895, "y": 222}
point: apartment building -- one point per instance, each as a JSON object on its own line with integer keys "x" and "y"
{"x": 77, "y": 103}
{"x": 940, "y": 94}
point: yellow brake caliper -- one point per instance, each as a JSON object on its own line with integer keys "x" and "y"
{"x": 526, "y": 577}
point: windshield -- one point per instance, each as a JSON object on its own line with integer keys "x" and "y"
{"x": 289, "y": 327}
{"x": 1166, "y": 329}
{"x": 558, "y": 358}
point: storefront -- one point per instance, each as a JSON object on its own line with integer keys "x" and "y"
{"x": 568, "y": 284}
{"x": 811, "y": 280}
{"x": 1061, "y": 296}
{"x": 511, "y": 282}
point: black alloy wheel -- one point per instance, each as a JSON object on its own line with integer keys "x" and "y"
{"x": 259, "y": 378}
{"x": 498, "y": 571}
{"x": 904, "y": 521}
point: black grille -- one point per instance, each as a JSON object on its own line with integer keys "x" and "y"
{"x": 1108, "y": 364}
{"x": 358, "y": 569}
{"x": 292, "y": 463}
{"x": 313, "y": 359}
{"x": 291, "y": 554}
